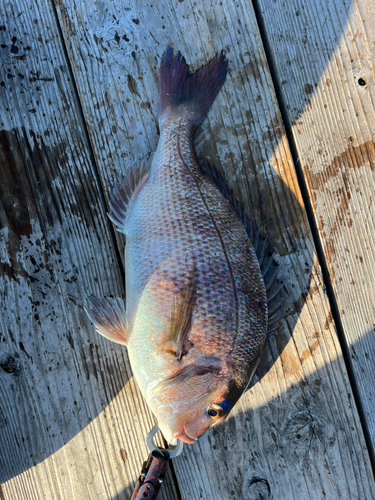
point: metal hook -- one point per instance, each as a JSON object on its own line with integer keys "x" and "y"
{"x": 152, "y": 446}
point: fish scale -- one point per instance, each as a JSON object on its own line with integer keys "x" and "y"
{"x": 196, "y": 304}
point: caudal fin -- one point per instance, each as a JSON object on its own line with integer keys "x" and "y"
{"x": 197, "y": 91}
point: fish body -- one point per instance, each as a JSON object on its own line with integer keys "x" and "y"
{"x": 196, "y": 302}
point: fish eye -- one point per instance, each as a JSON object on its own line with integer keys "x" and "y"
{"x": 216, "y": 411}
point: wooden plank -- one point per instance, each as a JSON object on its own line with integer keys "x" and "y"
{"x": 330, "y": 105}
{"x": 296, "y": 433}
{"x": 71, "y": 416}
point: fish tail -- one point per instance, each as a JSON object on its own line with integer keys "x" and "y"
{"x": 197, "y": 91}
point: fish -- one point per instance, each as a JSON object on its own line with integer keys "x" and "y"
{"x": 197, "y": 275}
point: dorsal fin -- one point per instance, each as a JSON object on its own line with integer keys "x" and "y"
{"x": 276, "y": 292}
{"x": 128, "y": 186}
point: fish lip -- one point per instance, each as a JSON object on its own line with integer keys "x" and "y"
{"x": 182, "y": 436}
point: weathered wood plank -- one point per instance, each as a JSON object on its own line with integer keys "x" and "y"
{"x": 330, "y": 104}
{"x": 296, "y": 429}
{"x": 70, "y": 414}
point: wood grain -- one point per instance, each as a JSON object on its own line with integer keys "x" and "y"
{"x": 330, "y": 105}
{"x": 72, "y": 421}
{"x": 296, "y": 433}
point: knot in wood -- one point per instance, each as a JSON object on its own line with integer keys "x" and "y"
{"x": 256, "y": 488}
{"x": 9, "y": 365}
{"x": 303, "y": 432}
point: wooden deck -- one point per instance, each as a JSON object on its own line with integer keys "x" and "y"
{"x": 293, "y": 130}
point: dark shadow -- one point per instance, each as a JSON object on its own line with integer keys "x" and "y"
{"x": 311, "y": 431}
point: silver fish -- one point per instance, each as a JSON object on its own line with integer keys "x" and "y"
{"x": 196, "y": 303}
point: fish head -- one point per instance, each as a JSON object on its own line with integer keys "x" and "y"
{"x": 194, "y": 399}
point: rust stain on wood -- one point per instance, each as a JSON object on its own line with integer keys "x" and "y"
{"x": 290, "y": 361}
{"x": 329, "y": 321}
{"x": 353, "y": 157}
{"x": 308, "y": 352}
{"x": 123, "y": 455}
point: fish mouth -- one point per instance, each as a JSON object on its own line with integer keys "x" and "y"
{"x": 182, "y": 436}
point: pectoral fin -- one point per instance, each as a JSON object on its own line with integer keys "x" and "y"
{"x": 182, "y": 306}
{"x": 108, "y": 317}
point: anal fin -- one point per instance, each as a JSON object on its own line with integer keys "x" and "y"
{"x": 108, "y": 317}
